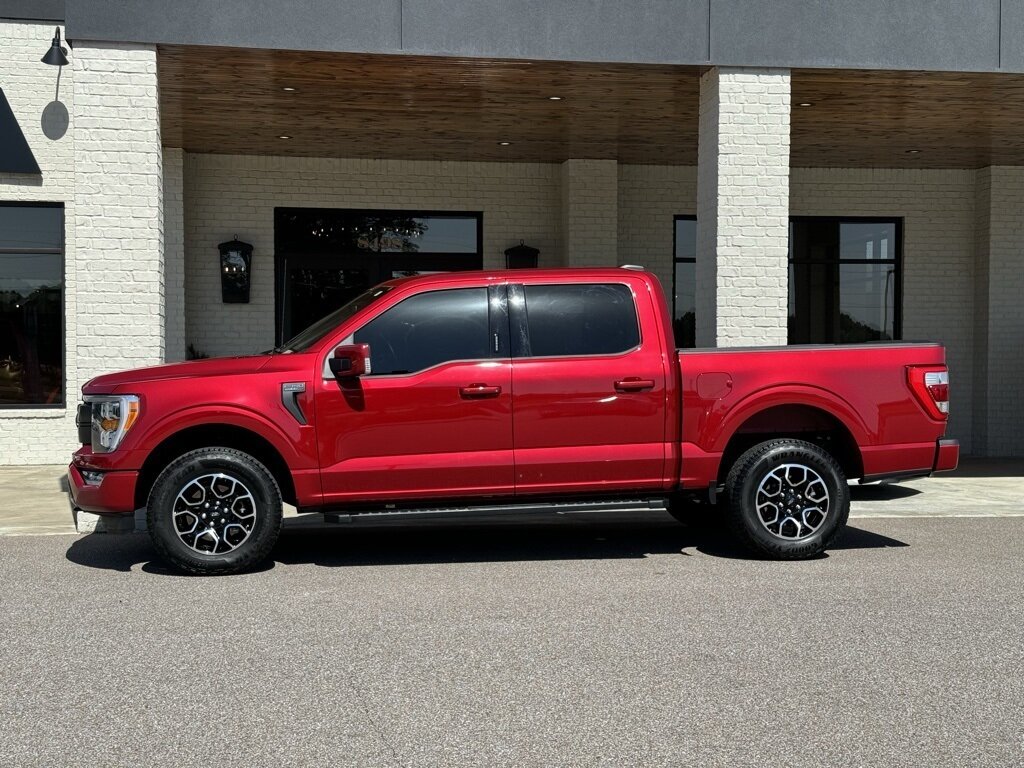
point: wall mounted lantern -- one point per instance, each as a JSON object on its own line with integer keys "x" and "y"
{"x": 235, "y": 271}
{"x": 57, "y": 56}
{"x": 521, "y": 256}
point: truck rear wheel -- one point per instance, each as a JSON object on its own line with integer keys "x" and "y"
{"x": 213, "y": 511}
{"x": 787, "y": 499}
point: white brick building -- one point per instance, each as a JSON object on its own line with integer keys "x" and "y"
{"x": 828, "y": 207}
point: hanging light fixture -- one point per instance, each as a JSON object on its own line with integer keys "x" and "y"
{"x": 57, "y": 56}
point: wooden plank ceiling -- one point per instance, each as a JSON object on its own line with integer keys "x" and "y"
{"x": 414, "y": 107}
{"x": 906, "y": 119}
{"x": 233, "y": 101}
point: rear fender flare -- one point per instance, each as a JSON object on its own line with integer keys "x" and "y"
{"x": 812, "y": 397}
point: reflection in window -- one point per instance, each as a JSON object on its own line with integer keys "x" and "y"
{"x": 377, "y": 231}
{"x": 843, "y": 280}
{"x": 568, "y": 320}
{"x": 328, "y": 256}
{"x": 31, "y": 305}
{"x": 685, "y": 281}
{"x": 428, "y": 329}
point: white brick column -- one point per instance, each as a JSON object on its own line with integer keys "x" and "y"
{"x": 590, "y": 213}
{"x": 174, "y": 254}
{"x": 999, "y": 313}
{"x": 743, "y": 207}
{"x": 38, "y": 94}
{"x": 118, "y": 208}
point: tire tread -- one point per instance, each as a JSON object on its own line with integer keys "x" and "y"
{"x": 250, "y": 556}
{"x": 733, "y": 490}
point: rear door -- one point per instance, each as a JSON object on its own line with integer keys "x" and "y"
{"x": 589, "y": 388}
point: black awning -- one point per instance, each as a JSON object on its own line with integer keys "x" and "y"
{"x": 15, "y": 154}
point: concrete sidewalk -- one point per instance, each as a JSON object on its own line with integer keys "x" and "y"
{"x": 34, "y": 500}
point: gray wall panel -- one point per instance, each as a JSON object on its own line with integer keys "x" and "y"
{"x": 1012, "y": 32}
{"x": 32, "y": 10}
{"x": 882, "y": 34}
{"x": 661, "y": 31}
{"x": 318, "y": 25}
{"x": 876, "y": 34}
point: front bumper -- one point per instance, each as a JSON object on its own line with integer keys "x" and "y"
{"x": 114, "y": 494}
{"x": 947, "y": 455}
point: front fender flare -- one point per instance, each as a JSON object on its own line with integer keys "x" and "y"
{"x": 230, "y": 415}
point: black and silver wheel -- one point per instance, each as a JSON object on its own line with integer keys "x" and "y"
{"x": 787, "y": 499}
{"x": 214, "y": 510}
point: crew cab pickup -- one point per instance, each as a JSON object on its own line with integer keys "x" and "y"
{"x": 496, "y": 392}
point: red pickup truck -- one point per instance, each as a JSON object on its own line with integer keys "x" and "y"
{"x": 496, "y": 392}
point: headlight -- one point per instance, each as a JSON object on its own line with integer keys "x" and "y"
{"x": 112, "y": 417}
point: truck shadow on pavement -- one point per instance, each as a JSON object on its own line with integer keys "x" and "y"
{"x": 882, "y": 492}
{"x": 462, "y": 542}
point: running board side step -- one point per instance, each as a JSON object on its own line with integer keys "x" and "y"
{"x": 498, "y": 510}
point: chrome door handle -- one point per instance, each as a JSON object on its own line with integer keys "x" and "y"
{"x": 479, "y": 390}
{"x": 634, "y": 385}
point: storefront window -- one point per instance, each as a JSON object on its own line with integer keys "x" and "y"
{"x": 685, "y": 281}
{"x": 371, "y": 231}
{"x": 31, "y": 305}
{"x": 844, "y": 280}
{"x": 327, "y": 256}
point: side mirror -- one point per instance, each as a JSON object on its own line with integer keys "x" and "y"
{"x": 350, "y": 361}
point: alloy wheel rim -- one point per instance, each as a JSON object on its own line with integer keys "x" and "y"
{"x": 214, "y": 514}
{"x": 792, "y": 502}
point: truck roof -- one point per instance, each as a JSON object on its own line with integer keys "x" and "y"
{"x": 570, "y": 274}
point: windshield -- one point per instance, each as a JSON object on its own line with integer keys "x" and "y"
{"x": 319, "y": 329}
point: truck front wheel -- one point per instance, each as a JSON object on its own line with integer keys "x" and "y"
{"x": 213, "y": 511}
{"x": 787, "y": 499}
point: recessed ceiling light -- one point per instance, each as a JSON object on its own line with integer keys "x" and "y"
{"x": 504, "y": 143}
{"x": 289, "y": 88}
{"x": 554, "y": 98}
{"x": 913, "y": 151}
{"x": 805, "y": 104}
{"x": 284, "y": 137}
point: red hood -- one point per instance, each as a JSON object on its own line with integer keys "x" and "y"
{"x": 216, "y": 366}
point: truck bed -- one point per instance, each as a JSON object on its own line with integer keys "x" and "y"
{"x": 859, "y": 394}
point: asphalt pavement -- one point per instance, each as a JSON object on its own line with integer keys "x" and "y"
{"x": 584, "y": 642}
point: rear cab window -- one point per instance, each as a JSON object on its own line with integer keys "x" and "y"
{"x": 578, "y": 319}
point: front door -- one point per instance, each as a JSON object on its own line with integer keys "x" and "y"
{"x": 434, "y": 418}
{"x": 589, "y": 390}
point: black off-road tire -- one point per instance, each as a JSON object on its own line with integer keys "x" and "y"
{"x": 755, "y": 466}
{"x": 254, "y": 477}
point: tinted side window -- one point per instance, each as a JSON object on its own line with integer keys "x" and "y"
{"x": 580, "y": 319}
{"x": 428, "y": 329}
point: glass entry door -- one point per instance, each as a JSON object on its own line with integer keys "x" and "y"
{"x": 326, "y": 257}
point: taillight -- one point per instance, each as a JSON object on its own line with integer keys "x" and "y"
{"x": 930, "y": 386}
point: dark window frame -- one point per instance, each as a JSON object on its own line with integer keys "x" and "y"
{"x": 677, "y": 259}
{"x": 896, "y": 260}
{"x": 281, "y": 256}
{"x": 62, "y": 252}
